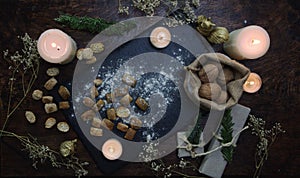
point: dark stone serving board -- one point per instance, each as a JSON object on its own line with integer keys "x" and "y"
{"x": 108, "y": 166}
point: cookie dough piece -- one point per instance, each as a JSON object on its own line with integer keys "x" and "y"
{"x": 107, "y": 124}
{"x": 122, "y": 127}
{"x": 141, "y": 103}
{"x": 130, "y": 134}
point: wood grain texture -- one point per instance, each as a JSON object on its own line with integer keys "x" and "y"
{"x": 277, "y": 101}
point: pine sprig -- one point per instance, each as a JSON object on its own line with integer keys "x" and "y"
{"x": 93, "y": 25}
{"x": 194, "y": 137}
{"x": 226, "y": 134}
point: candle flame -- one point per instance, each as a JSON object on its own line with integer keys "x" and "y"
{"x": 255, "y": 42}
{"x": 53, "y": 45}
{"x": 251, "y": 83}
{"x": 111, "y": 149}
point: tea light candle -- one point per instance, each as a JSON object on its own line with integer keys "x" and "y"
{"x": 55, "y": 46}
{"x": 112, "y": 149}
{"x": 253, "y": 83}
{"x": 250, "y": 42}
{"x": 160, "y": 37}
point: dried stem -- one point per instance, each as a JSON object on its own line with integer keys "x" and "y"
{"x": 20, "y": 64}
{"x": 40, "y": 154}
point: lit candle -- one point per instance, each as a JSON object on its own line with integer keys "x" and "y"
{"x": 112, "y": 149}
{"x": 250, "y": 42}
{"x": 160, "y": 37}
{"x": 55, "y": 46}
{"x": 253, "y": 83}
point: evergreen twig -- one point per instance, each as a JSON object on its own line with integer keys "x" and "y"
{"x": 93, "y": 25}
{"x": 226, "y": 134}
{"x": 194, "y": 137}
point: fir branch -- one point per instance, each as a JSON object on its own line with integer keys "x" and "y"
{"x": 93, "y": 25}
{"x": 226, "y": 134}
{"x": 194, "y": 137}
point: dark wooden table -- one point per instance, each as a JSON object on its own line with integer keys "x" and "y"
{"x": 277, "y": 101}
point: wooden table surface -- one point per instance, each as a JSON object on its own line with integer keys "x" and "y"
{"x": 277, "y": 101}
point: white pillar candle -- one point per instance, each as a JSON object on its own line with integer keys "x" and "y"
{"x": 112, "y": 149}
{"x": 253, "y": 83}
{"x": 55, "y": 46}
{"x": 250, "y": 42}
{"x": 160, "y": 37}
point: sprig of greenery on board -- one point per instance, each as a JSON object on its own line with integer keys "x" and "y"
{"x": 226, "y": 134}
{"x": 194, "y": 137}
{"x": 93, "y": 25}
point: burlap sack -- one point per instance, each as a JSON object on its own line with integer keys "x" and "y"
{"x": 234, "y": 88}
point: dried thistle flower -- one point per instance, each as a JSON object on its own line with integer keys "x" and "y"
{"x": 24, "y": 67}
{"x": 266, "y": 139}
{"x": 39, "y": 153}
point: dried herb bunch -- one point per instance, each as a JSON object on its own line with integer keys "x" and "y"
{"x": 159, "y": 167}
{"x": 186, "y": 16}
{"x": 24, "y": 68}
{"x": 39, "y": 153}
{"x": 266, "y": 137}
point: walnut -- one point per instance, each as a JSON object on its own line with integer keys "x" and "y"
{"x": 222, "y": 97}
{"x": 49, "y": 85}
{"x": 64, "y": 92}
{"x": 225, "y": 76}
{"x": 37, "y": 94}
{"x": 210, "y": 91}
{"x": 208, "y": 73}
